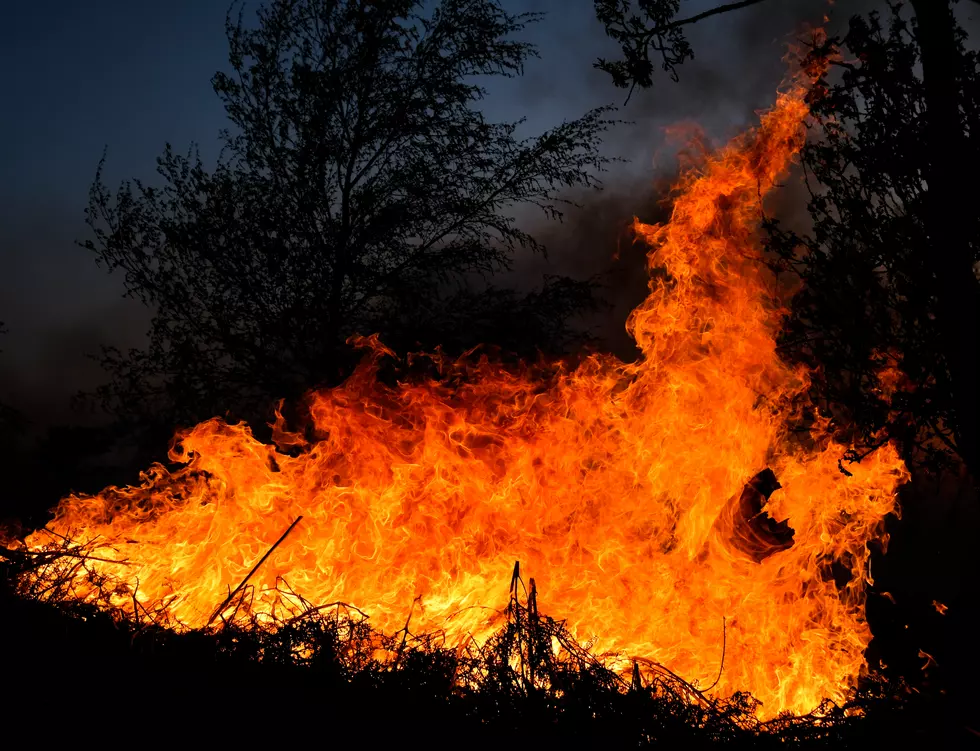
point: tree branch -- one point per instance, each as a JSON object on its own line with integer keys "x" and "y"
{"x": 716, "y": 11}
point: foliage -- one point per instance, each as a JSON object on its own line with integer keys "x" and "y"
{"x": 657, "y": 30}
{"x": 865, "y": 319}
{"x": 360, "y": 190}
{"x": 885, "y": 313}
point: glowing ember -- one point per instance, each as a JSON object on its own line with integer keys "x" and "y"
{"x": 631, "y": 492}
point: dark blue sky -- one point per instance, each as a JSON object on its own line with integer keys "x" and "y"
{"x": 133, "y": 75}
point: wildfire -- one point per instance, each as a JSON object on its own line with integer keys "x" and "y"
{"x": 636, "y": 494}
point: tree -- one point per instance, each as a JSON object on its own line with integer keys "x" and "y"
{"x": 872, "y": 319}
{"x": 657, "y": 31}
{"x": 890, "y": 302}
{"x": 358, "y": 189}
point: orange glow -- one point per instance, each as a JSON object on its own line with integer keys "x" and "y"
{"x": 620, "y": 487}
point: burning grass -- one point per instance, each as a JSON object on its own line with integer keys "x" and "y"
{"x": 529, "y": 682}
{"x": 662, "y": 504}
{"x": 668, "y": 508}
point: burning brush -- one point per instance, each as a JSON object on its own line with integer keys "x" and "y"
{"x": 622, "y": 486}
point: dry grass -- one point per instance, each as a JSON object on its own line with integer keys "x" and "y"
{"x": 324, "y": 667}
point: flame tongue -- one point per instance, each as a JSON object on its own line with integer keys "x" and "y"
{"x": 611, "y": 483}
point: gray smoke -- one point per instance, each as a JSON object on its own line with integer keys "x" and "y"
{"x": 61, "y": 308}
{"x": 739, "y": 64}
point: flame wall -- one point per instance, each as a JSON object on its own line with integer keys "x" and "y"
{"x": 608, "y": 482}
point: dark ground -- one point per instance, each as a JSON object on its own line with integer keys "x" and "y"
{"x": 74, "y": 670}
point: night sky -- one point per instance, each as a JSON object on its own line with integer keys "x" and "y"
{"x": 133, "y": 76}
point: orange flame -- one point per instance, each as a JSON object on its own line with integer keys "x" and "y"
{"x": 621, "y": 487}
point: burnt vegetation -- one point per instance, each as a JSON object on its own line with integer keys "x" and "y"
{"x": 326, "y": 670}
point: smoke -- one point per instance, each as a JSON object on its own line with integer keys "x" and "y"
{"x": 740, "y": 61}
{"x": 61, "y": 308}
{"x": 737, "y": 69}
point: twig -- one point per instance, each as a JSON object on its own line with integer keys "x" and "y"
{"x": 498, "y": 611}
{"x": 691, "y": 691}
{"x": 713, "y": 12}
{"x": 636, "y": 683}
{"x": 61, "y": 536}
{"x": 408, "y": 620}
{"x": 318, "y": 608}
{"x": 136, "y": 606}
{"x": 62, "y": 579}
{"x": 248, "y": 576}
{"x": 20, "y": 555}
{"x": 724, "y": 644}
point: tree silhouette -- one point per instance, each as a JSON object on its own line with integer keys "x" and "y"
{"x": 890, "y": 301}
{"x": 870, "y": 318}
{"x": 657, "y": 31}
{"x": 359, "y": 190}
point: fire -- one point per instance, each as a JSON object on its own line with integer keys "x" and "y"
{"x": 636, "y": 494}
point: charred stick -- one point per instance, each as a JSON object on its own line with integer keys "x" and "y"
{"x": 724, "y": 646}
{"x": 243, "y": 582}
